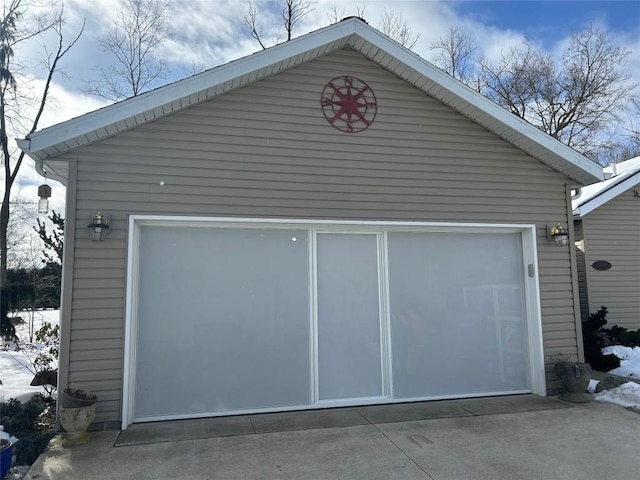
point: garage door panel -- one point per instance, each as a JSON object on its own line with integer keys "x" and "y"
{"x": 458, "y": 322}
{"x": 349, "y": 345}
{"x": 223, "y": 321}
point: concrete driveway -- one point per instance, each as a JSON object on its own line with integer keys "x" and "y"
{"x": 518, "y": 437}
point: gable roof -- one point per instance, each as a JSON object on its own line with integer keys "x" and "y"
{"x": 625, "y": 175}
{"x": 46, "y": 145}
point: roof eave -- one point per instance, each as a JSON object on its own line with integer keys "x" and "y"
{"x": 607, "y": 195}
{"x": 353, "y": 33}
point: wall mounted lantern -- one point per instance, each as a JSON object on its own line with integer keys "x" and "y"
{"x": 558, "y": 234}
{"x": 99, "y": 227}
{"x": 44, "y": 192}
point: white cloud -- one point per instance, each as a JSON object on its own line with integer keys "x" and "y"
{"x": 495, "y": 42}
{"x": 207, "y": 33}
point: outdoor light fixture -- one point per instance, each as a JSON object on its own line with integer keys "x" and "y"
{"x": 558, "y": 234}
{"x": 44, "y": 192}
{"x": 99, "y": 227}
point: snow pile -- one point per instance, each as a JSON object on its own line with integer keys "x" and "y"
{"x": 629, "y": 360}
{"x": 626, "y": 395}
{"x": 16, "y": 370}
{"x": 5, "y": 436}
{"x": 16, "y": 376}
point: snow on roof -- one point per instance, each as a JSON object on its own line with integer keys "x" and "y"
{"x": 620, "y": 178}
{"x": 47, "y": 145}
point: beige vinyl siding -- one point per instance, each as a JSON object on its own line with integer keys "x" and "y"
{"x": 612, "y": 233}
{"x": 266, "y": 150}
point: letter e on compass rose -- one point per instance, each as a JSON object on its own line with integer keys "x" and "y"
{"x": 349, "y": 104}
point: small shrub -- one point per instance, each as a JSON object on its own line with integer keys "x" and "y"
{"x": 7, "y": 329}
{"x": 621, "y": 336}
{"x": 595, "y": 338}
{"x": 49, "y": 336}
{"x": 24, "y": 421}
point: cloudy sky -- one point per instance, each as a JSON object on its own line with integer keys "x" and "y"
{"x": 208, "y": 33}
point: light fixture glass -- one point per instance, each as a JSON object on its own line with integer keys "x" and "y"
{"x": 99, "y": 227}
{"x": 559, "y": 234}
{"x": 561, "y": 240}
{"x": 44, "y": 192}
{"x": 43, "y": 205}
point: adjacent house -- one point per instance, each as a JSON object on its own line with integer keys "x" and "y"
{"x": 332, "y": 221}
{"x": 607, "y": 225}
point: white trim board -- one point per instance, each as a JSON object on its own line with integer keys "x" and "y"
{"x": 324, "y": 225}
{"x": 531, "y": 287}
{"x": 608, "y": 195}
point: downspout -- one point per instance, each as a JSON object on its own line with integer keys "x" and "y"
{"x": 574, "y": 277}
{"x": 576, "y": 193}
{"x": 25, "y": 145}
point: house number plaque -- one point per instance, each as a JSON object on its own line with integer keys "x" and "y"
{"x": 601, "y": 265}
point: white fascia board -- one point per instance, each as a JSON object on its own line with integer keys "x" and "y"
{"x": 41, "y": 167}
{"x": 482, "y": 104}
{"x": 163, "y": 96}
{"x": 607, "y": 196}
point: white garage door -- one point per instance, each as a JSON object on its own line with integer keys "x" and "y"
{"x": 230, "y": 319}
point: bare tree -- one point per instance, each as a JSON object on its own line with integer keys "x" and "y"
{"x": 291, "y": 13}
{"x": 618, "y": 152}
{"x": 576, "y": 99}
{"x": 392, "y": 23}
{"x": 520, "y": 81}
{"x": 335, "y": 15}
{"x": 133, "y": 42}
{"x": 251, "y": 19}
{"x": 21, "y": 208}
{"x": 394, "y": 26}
{"x": 455, "y": 53}
{"x": 633, "y": 129}
{"x": 15, "y": 28}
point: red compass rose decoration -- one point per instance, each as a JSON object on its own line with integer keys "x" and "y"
{"x": 349, "y": 104}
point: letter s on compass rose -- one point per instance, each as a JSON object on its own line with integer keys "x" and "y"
{"x": 349, "y": 104}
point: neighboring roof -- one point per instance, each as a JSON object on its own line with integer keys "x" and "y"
{"x": 624, "y": 175}
{"x": 47, "y": 144}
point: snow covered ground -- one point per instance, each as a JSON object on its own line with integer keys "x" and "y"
{"x": 628, "y": 394}
{"x": 630, "y": 360}
{"x": 16, "y": 371}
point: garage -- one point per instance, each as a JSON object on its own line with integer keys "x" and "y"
{"x": 244, "y": 316}
{"x": 261, "y": 250}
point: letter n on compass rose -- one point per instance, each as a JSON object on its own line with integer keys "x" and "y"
{"x": 349, "y": 104}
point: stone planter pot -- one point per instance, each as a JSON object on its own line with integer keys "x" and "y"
{"x": 77, "y": 411}
{"x": 74, "y": 398}
{"x": 575, "y": 379}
